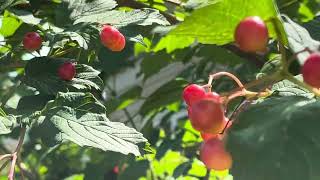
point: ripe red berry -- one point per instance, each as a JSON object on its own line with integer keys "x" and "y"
{"x": 214, "y": 155}
{"x": 32, "y": 41}
{"x": 207, "y": 115}
{"x": 67, "y": 71}
{"x": 251, "y": 34}
{"x": 311, "y": 70}
{"x": 193, "y": 93}
{"x": 116, "y": 169}
{"x": 111, "y": 38}
{"x": 214, "y": 96}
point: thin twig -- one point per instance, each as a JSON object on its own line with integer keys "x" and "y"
{"x": 217, "y": 75}
{"x": 16, "y": 154}
{"x": 12, "y": 167}
{"x": 5, "y": 156}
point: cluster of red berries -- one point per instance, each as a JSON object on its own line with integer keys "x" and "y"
{"x": 251, "y": 35}
{"x": 206, "y": 113}
{"x": 110, "y": 37}
{"x": 206, "y": 109}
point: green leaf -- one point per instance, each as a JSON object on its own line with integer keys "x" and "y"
{"x": 288, "y": 88}
{"x": 10, "y": 24}
{"x": 77, "y": 9}
{"x": 142, "y": 17}
{"x": 86, "y": 35}
{"x": 41, "y": 73}
{"x": 277, "y": 139}
{"x": 219, "y": 28}
{"x": 7, "y": 124}
{"x": 80, "y": 118}
{"x": 27, "y": 17}
{"x": 299, "y": 39}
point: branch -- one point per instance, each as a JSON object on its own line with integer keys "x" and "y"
{"x": 16, "y": 154}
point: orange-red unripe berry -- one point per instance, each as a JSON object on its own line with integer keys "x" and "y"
{"x": 112, "y": 38}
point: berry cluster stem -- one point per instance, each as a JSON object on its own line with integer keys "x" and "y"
{"x": 14, "y": 156}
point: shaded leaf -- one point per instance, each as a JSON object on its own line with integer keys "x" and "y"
{"x": 277, "y": 139}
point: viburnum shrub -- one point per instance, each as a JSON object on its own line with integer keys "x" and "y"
{"x": 32, "y": 41}
{"x": 92, "y": 89}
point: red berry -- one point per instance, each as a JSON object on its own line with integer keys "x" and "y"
{"x": 251, "y": 34}
{"x": 214, "y": 96}
{"x": 207, "y": 115}
{"x": 193, "y": 93}
{"x": 311, "y": 70}
{"x": 116, "y": 170}
{"x": 214, "y": 155}
{"x": 111, "y": 38}
{"x": 207, "y": 136}
{"x": 32, "y": 41}
{"x": 67, "y": 71}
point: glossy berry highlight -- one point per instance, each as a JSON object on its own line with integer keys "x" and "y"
{"x": 251, "y": 34}
{"x": 193, "y": 93}
{"x": 311, "y": 70}
{"x": 214, "y": 155}
{"x": 207, "y": 115}
{"x": 67, "y": 71}
{"x": 32, "y": 41}
{"x": 112, "y": 38}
